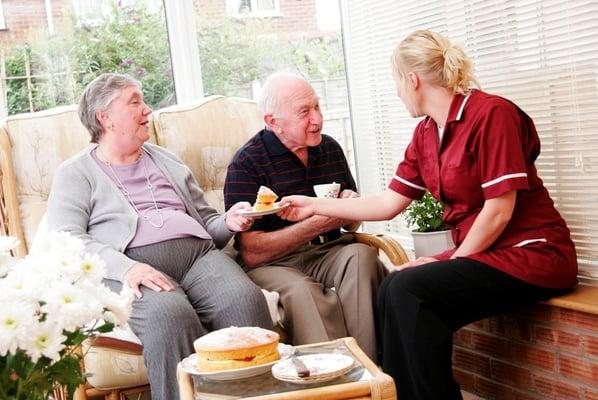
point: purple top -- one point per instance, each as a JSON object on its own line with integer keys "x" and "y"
{"x": 177, "y": 223}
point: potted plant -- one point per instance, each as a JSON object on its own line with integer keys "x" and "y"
{"x": 430, "y": 235}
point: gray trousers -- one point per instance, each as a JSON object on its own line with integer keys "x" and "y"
{"x": 212, "y": 292}
{"x": 313, "y": 311}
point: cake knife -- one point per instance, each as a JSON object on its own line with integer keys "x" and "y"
{"x": 302, "y": 370}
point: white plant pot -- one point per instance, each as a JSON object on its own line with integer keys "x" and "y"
{"x": 431, "y": 243}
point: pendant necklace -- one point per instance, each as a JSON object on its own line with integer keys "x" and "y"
{"x": 150, "y": 187}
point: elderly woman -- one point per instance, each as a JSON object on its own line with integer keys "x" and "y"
{"x": 139, "y": 207}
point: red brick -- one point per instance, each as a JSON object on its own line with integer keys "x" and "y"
{"x": 464, "y": 379}
{"x": 492, "y": 390}
{"x": 491, "y": 345}
{"x": 469, "y": 361}
{"x": 579, "y": 369}
{"x": 512, "y": 328}
{"x": 578, "y": 319}
{"x": 462, "y": 338}
{"x": 521, "y": 395}
{"x": 590, "y": 394}
{"x": 591, "y": 346}
{"x": 556, "y": 337}
{"x": 510, "y": 374}
{"x": 555, "y": 388}
{"x": 536, "y": 357}
{"x": 483, "y": 325}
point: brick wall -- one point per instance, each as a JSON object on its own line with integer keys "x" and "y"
{"x": 541, "y": 352}
{"x": 26, "y": 16}
{"x": 297, "y": 17}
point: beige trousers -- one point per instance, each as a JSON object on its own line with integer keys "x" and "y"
{"x": 327, "y": 291}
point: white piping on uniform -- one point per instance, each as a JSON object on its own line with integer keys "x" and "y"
{"x": 462, "y": 107}
{"x": 524, "y": 242}
{"x": 504, "y": 178}
{"x": 406, "y": 182}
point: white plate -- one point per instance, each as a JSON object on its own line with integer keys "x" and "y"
{"x": 189, "y": 365}
{"x": 251, "y": 213}
{"x": 322, "y": 367}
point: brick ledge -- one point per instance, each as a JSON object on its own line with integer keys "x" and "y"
{"x": 583, "y": 298}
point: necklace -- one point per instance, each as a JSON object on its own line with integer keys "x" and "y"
{"x": 126, "y": 192}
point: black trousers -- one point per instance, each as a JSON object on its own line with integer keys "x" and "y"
{"x": 421, "y": 307}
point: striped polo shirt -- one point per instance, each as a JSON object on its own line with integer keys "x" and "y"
{"x": 264, "y": 160}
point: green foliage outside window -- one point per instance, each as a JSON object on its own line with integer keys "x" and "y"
{"x": 130, "y": 39}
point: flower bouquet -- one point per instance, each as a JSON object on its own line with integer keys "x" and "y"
{"x": 50, "y": 302}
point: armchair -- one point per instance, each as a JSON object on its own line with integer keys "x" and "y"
{"x": 204, "y": 134}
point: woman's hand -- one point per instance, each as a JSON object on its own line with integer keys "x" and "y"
{"x": 416, "y": 263}
{"x": 299, "y": 208}
{"x": 146, "y": 275}
{"x": 236, "y": 222}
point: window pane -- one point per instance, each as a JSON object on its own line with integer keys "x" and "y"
{"x": 237, "y": 54}
{"x": 89, "y": 37}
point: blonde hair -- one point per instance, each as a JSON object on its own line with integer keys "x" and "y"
{"x": 436, "y": 58}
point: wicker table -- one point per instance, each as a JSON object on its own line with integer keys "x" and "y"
{"x": 364, "y": 381}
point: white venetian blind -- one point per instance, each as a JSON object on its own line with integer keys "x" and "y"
{"x": 542, "y": 54}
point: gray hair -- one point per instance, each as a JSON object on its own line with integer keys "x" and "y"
{"x": 97, "y": 97}
{"x": 269, "y": 102}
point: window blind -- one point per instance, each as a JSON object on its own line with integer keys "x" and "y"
{"x": 542, "y": 54}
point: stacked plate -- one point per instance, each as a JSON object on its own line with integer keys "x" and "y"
{"x": 322, "y": 367}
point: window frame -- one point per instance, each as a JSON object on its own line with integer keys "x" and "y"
{"x": 232, "y": 7}
{"x": 2, "y": 18}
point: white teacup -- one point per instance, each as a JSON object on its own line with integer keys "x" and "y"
{"x": 330, "y": 190}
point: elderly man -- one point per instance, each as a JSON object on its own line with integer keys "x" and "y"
{"x": 327, "y": 283}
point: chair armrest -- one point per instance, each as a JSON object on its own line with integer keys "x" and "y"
{"x": 116, "y": 344}
{"x": 393, "y": 250}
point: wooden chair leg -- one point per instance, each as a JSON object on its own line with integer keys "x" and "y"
{"x": 113, "y": 395}
{"x": 80, "y": 393}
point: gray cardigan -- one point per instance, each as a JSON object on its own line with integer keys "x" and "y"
{"x": 85, "y": 202}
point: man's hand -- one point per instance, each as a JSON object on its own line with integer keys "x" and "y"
{"x": 416, "y": 263}
{"x": 236, "y": 222}
{"x": 146, "y": 275}
{"x": 348, "y": 194}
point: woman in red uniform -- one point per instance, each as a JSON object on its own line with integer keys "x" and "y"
{"x": 475, "y": 153}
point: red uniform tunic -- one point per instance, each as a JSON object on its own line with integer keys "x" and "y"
{"x": 488, "y": 148}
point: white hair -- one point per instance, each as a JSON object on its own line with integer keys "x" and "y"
{"x": 270, "y": 97}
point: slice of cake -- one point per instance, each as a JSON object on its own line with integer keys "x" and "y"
{"x": 265, "y": 199}
{"x": 233, "y": 348}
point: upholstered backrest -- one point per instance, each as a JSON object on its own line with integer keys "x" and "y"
{"x": 31, "y": 147}
{"x": 206, "y": 134}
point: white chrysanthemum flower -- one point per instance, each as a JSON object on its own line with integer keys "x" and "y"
{"x": 93, "y": 268}
{"x": 66, "y": 265}
{"x": 19, "y": 286}
{"x": 8, "y": 243}
{"x": 117, "y": 307}
{"x": 47, "y": 340}
{"x": 70, "y": 306}
{"x": 61, "y": 243}
{"x": 4, "y": 268}
{"x": 16, "y": 320}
